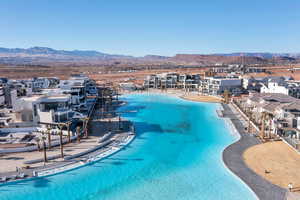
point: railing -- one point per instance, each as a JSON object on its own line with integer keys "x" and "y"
{"x": 92, "y": 158}
{"x": 293, "y": 142}
{"x": 244, "y": 115}
{"x": 34, "y": 148}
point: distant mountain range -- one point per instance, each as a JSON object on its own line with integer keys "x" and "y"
{"x": 49, "y": 56}
{"x": 263, "y": 55}
{"x": 45, "y": 51}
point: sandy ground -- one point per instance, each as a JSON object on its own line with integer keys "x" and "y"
{"x": 202, "y": 98}
{"x": 98, "y": 128}
{"x": 191, "y": 96}
{"x": 279, "y": 159}
{"x": 9, "y": 162}
{"x": 103, "y": 75}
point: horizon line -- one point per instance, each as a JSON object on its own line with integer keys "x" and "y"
{"x": 178, "y": 53}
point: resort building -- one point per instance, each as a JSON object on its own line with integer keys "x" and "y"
{"x": 77, "y": 90}
{"x": 238, "y": 69}
{"x": 173, "y": 80}
{"x": 217, "y": 85}
{"x": 189, "y": 82}
{"x": 42, "y": 83}
{"x": 2, "y": 96}
{"x": 44, "y": 109}
{"x": 162, "y": 81}
{"x": 24, "y": 111}
{"x": 23, "y": 87}
{"x": 5, "y": 118}
{"x": 279, "y": 114}
{"x": 283, "y": 87}
{"x": 52, "y": 109}
{"x": 11, "y": 96}
{"x": 252, "y": 83}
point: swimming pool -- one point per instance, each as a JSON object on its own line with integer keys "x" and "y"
{"x": 177, "y": 154}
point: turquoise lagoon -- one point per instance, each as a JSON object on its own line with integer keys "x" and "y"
{"x": 176, "y": 155}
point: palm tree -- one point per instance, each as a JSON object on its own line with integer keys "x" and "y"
{"x": 37, "y": 140}
{"x": 269, "y": 120}
{"x": 69, "y": 134}
{"x": 226, "y": 96}
{"x": 119, "y": 122}
{"x": 262, "y": 129}
{"x": 78, "y": 133}
{"x": 61, "y": 142}
{"x": 249, "y": 114}
{"x": 49, "y": 137}
{"x": 85, "y": 125}
{"x": 44, "y": 148}
{"x": 117, "y": 93}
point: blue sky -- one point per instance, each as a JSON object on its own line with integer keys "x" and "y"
{"x": 163, "y": 27}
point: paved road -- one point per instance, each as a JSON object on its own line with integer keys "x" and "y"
{"x": 233, "y": 158}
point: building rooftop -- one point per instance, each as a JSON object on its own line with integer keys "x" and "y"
{"x": 54, "y": 98}
{"x": 272, "y": 97}
{"x": 31, "y": 98}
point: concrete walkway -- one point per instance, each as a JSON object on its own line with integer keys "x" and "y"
{"x": 233, "y": 158}
{"x": 104, "y": 134}
{"x": 112, "y": 143}
{"x": 292, "y": 196}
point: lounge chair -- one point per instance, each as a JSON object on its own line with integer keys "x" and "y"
{"x": 3, "y": 179}
{"x": 21, "y": 175}
{"x": 13, "y": 177}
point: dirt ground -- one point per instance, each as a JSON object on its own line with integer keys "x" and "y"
{"x": 275, "y": 161}
{"x": 107, "y": 75}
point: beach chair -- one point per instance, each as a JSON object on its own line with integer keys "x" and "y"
{"x": 13, "y": 177}
{"x": 21, "y": 175}
{"x": 3, "y": 179}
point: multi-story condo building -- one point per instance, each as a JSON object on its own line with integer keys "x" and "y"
{"x": 283, "y": 111}
{"x": 51, "y": 109}
{"x": 11, "y": 96}
{"x": 43, "y": 82}
{"x": 173, "y": 80}
{"x": 77, "y": 90}
{"x": 290, "y": 88}
{"x": 79, "y": 87}
{"x": 217, "y": 85}
{"x": 43, "y": 109}
{"x": 2, "y": 96}
{"x": 161, "y": 81}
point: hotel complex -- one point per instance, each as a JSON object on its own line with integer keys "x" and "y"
{"x": 58, "y": 125}
{"x": 270, "y": 103}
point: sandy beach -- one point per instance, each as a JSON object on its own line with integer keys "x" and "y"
{"x": 275, "y": 161}
{"x": 190, "y": 96}
{"x": 202, "y": 98}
